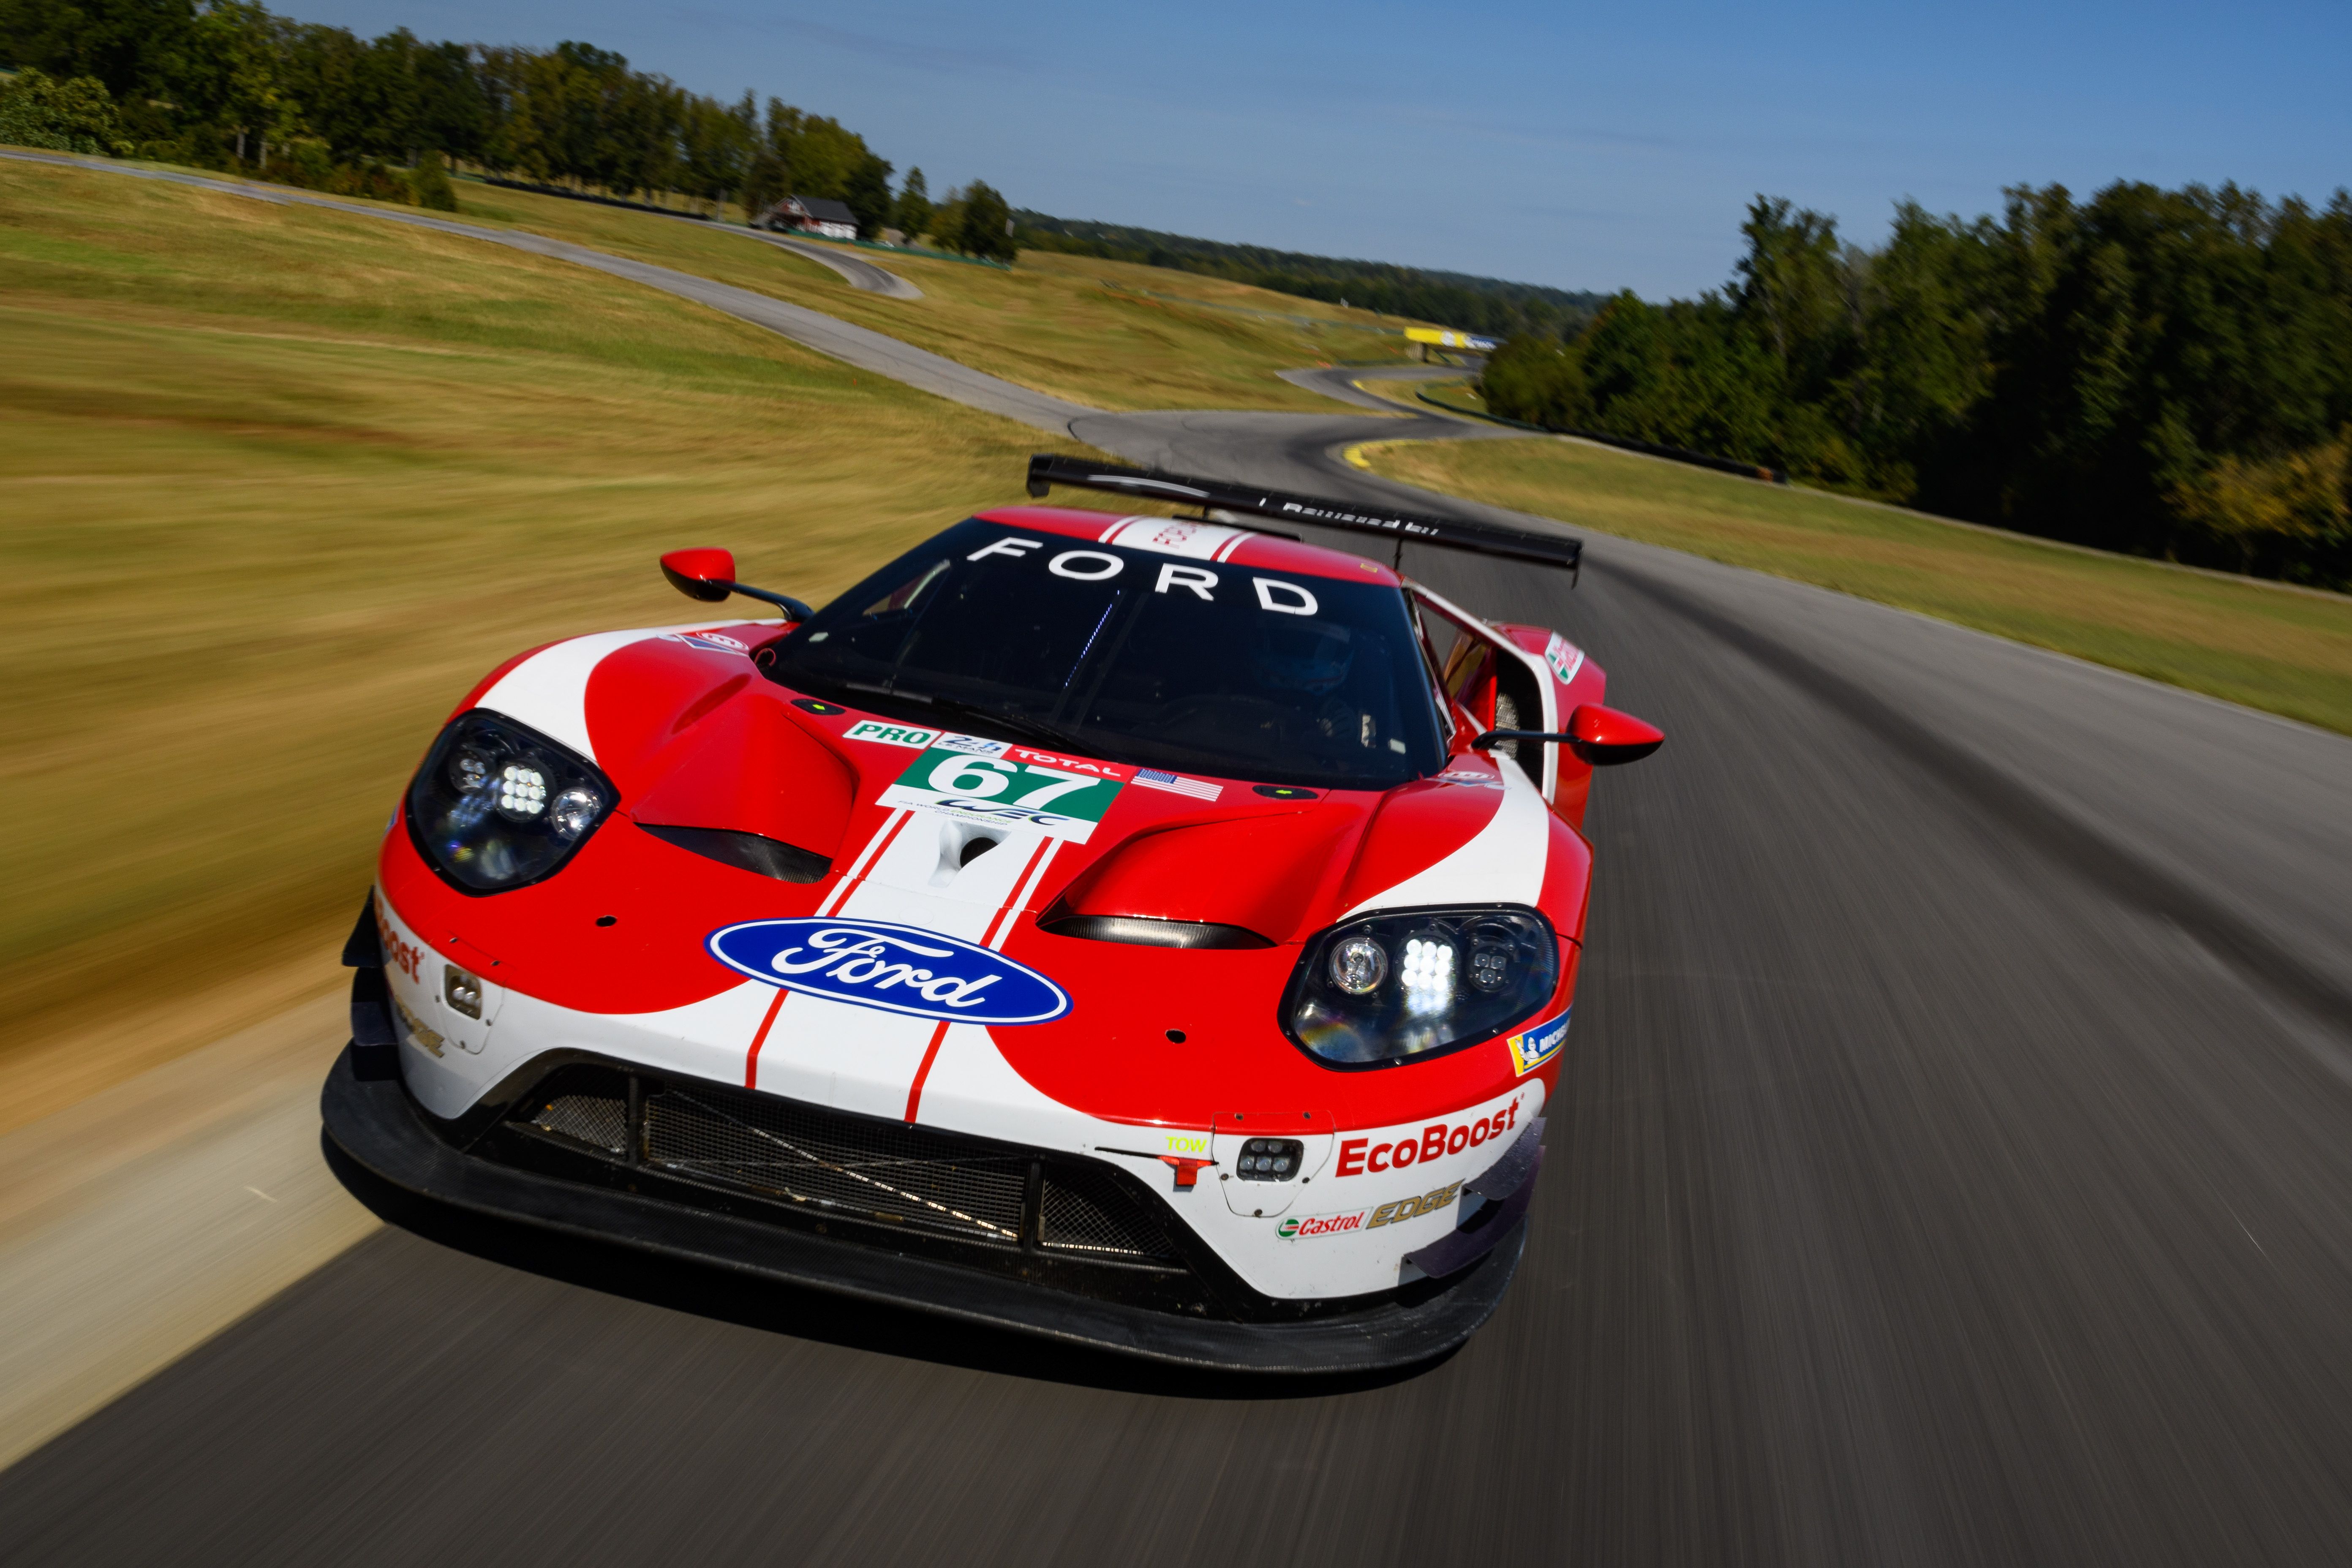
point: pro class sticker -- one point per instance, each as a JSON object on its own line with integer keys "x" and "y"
{"x": 1057, "y": 797}
{"x": 1530, "y": 1048}
{"x": 895, "y": 968}
{"x": 890, "y": 734}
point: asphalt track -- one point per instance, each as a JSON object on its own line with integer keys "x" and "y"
{"x": 858, "y": 273}
{"x": 1953, "y": 1164}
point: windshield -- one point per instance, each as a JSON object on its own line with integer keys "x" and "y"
{"x": 1134, "y": 656}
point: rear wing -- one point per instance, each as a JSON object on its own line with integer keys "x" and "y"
{"x": 1047, "y": 469}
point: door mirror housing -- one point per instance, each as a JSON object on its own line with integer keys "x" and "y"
{"x": 709, "y": 575}
{"x": 705, "y": 574}
{"x": 1603, "y": 737}
{"x": 1600, "y": 737}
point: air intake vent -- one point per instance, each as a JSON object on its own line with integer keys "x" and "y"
{"x": 992, "y": 1195}
{"x": 897, "y": 1175}
{"x": 1138, "y": 931}
{"x": 746, "y": 851}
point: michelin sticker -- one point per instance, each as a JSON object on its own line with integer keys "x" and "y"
{"x": 895, "y": 968}
{"x": 1057, "y": 797}
{"x": 1530, "y": 1048}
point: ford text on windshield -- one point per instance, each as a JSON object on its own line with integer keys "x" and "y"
{"x": 1133, "y": 657}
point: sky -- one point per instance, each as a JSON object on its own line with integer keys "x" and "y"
{"x": 1576, "y": 145}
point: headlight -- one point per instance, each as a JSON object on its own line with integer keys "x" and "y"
{"x": 1395, "y": 986}
{"x": 497, "y": 805}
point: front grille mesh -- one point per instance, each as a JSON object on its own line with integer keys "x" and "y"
{"x": 599, "y": 1123}
{"x": 1085, "y": 1213}
{"x": 908, "y": 1177}
{"x": 898, "y": 1175}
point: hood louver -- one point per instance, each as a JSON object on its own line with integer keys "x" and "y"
{"x": 746, "y": 851}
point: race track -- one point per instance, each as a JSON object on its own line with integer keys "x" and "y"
{"x": 1952, "y": 1164}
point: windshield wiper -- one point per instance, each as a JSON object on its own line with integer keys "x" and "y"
{"x": 1016, "y": 723}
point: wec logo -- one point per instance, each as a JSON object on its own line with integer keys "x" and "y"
{"x": 894, "y": 968}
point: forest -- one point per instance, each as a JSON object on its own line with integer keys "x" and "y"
{"x": 2163, "y": 373}
{"x": 228, "y": 84}
{"x": 1451, "y": 298}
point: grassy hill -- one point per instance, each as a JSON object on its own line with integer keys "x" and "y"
{"x": 1098, "y": 332}
{"x": 1450, "y": 298}
{"x": 281, "y": 483}
{"x": 2268, "y": 647}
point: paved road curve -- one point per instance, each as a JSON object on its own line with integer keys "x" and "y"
{"x": 858, "y": 272}
{"x": 867, "y": 350}
{"x": 1953, "y": 1165}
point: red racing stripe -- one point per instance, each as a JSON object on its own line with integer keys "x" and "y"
{"x": 1006, "y": 914}
{"x": 867, "y": 857}
{"x": 931, "y": 1055}
{"x": 751, "y": 1062}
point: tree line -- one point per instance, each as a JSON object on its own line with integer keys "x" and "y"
{"x": 227, "y": 84}
{"x": 2164, "y": 373}
{"x": 1454, "y": 299}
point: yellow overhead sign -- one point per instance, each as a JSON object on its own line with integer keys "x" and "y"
{"x": 1439, "y": 337}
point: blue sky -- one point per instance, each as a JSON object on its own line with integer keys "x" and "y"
{"x": 1579, "y": 145}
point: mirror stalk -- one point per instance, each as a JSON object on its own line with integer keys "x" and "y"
{"x": 709, "y": 575}
{"x": 1600, "y": 737}
{"x": 791, "y": 607}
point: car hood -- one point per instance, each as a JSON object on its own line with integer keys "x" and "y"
{"x": 698, "y": 741}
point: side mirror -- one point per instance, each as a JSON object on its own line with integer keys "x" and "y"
{"x": 705, "y": 574}
{"x": 1601, "y": 737}
{"x": 709, "y": 575}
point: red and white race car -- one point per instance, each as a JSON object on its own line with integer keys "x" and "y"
{"x": 1150, "y": 932}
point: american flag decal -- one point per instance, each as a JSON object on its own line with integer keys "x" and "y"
{"x": 1200, "y": 789}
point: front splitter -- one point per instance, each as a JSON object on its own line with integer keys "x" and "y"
{"x": 375, "y": 1122}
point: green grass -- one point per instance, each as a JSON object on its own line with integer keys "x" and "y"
{"x": 1072, "y": 326}
{"x": 2253, "y": 643}
{"x": 277, "y": 484}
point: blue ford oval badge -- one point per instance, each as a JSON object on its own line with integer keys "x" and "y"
{"x": 897, "y": 968}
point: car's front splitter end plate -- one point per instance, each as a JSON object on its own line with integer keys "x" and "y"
{"x": 374, "y": 1122}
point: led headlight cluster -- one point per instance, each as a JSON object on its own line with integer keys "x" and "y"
{"x": 1269, "y": 1159}
{"x": 497, "y": 805}
{"x": 1395, "y": 986}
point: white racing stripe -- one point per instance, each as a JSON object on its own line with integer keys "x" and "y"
{"x": 1503, "y": 862}
{"x": 549, "y": 691}
{"x": 865, "y": 1059}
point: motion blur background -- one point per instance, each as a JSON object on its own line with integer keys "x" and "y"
{"x": 1586, "y": 146}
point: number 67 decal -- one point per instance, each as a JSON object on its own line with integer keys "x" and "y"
{"x": 988, "y": 777}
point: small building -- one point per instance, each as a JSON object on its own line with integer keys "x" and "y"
{"x": 812, "y": 215}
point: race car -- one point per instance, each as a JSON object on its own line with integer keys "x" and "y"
{"x": 1155, "y": 933}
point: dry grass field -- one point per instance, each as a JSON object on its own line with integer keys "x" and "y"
{"x": 1069, "y": 325}
{"x": 276, "y": 485}
{"x": 2267, "y": 646}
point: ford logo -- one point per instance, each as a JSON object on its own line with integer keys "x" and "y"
{"x": 896, "y": 968}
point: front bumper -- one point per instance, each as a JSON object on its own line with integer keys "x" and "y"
{"x": 371, "y": 1116}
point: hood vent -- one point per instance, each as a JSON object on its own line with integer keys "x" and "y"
{"x": 746, "y": 851}
{"x": 1139, "y": 931}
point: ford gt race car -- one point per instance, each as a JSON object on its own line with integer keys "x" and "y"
{"x": 1155, "y": 933}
